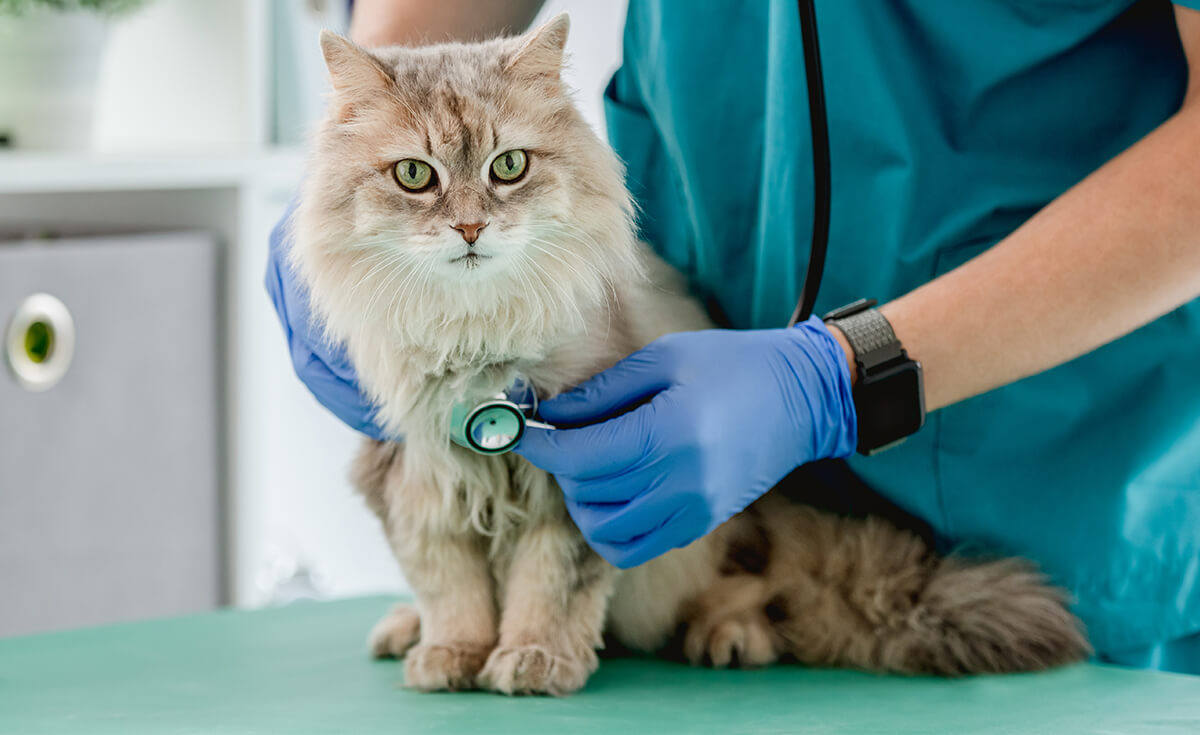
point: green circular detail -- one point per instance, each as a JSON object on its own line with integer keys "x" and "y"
{"x": 510, "y": 165}
{"x": 39, "y": 342}
{"x": 413, "y": 175}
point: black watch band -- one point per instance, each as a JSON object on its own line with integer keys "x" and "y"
{"x": 889, "y": 394}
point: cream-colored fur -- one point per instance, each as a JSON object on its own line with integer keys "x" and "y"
{"x": 509, "y": 596}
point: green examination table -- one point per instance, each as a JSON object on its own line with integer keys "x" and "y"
{"x": 304, "y": 669}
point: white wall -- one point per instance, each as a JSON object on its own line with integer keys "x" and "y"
{"x": 593, "y": 49}
{"x": 294, "y": 505}
{"x": 177, "y": 76}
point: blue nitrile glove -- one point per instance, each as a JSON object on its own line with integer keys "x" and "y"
{"x": 322, "y": 367}
{"x": 729, "y": 415}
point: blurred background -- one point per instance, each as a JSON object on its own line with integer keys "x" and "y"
{"x": 157, "y": 454}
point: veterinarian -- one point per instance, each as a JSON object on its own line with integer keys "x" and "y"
{"x": 1016, "y": 181}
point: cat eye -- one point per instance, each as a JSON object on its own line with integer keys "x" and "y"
{"x": 509, "y": 166}
{"x": 414, "y": 175}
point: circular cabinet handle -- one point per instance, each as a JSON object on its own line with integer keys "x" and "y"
{"x": 40, "y": 342}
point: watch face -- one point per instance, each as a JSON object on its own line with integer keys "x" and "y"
{"x": 890, "y": 405}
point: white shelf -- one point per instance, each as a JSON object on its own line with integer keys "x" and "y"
{"x": 62, "y": 172}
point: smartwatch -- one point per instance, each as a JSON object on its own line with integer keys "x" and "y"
{"x": 889, "y": 393}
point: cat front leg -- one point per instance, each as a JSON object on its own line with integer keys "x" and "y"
{"x": 446, "y": 637}
{"x": 555, "y": 594}
{"x": 453, "y": 582}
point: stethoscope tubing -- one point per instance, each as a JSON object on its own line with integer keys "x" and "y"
{"x": 819, "y": 123}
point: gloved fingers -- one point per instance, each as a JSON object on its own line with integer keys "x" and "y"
{"x": 292, "y": 305}
{"x": 626, "y": 384}
{"x": 305, "y": 328}
{"x": 279, "y": 274}
{"x": 323, "y": 368}
{"x": 680, "y": 530}
{"x": 274, "y": 284}
{"x": 321, "y": 365}
{"x": 333, "y": 356}
{"x": 291, "y": 302}
{"x": 624, "y": 485}
{"x": 596, "y": 450}
{"x": 341, "y": 398}
{"x": 622, "y": 523}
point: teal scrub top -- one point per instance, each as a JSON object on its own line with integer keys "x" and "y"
{"x": 950, "y": 123}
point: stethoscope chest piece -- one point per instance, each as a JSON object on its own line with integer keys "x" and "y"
{"x": 496, "y": 425}
{"x": 492, "y": 427}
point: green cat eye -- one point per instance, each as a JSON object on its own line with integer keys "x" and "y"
{"x": 414, "y": 175}
{"x": 509, "y": 166}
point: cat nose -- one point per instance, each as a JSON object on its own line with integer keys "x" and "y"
{"x": 470, "y": 233}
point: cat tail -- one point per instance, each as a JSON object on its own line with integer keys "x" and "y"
{"x": 976, "y": 617}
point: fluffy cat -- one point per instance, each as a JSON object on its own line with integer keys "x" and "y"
{"x": 461, "y": 225}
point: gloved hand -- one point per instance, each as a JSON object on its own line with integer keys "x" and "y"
{"x": 323, "y": 368}
{"x": 729, "y": 415}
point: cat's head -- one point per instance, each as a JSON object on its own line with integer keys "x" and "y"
{"x": 456, "y": 195}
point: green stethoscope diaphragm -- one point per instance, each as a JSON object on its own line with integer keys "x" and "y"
{"x": 496, "y": 425}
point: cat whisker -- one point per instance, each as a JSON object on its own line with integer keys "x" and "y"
{"x": 589, "y": 242}
{"x": 393, "y": 258}
{"x": 581, "y": 235}
{"x": 414, "y": 276}
{"x": 556, "y": 282}
{"x": 422, "y": 280}
{"x": 527, "y": 280}
{"x": 565, "y": 296}
{"x": 567, "y": 251}
{"x": 396, "y": 264}
{"x": 534, "y": 243}
{"x": 383, "y": 287}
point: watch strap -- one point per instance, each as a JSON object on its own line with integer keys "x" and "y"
{"x": 889, "y": 395}
{"x": 869, "y": 333}
{"x": 871, "y": 337}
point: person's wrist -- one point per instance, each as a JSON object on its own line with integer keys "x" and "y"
{"x": 830, "y": 396}
{"x": 847, "y": 350}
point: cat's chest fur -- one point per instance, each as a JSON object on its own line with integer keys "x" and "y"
{"x": 417, "y": 386}
{"x": 417, "y": 389}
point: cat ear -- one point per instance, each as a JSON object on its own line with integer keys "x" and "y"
{"x": 353, "y": 71}
{"x": 541, "y": 51}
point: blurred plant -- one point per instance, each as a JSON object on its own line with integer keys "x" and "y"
{"x": 105, "y": 7}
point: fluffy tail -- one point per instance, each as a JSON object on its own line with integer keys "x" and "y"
{"x": 990, "y": 617}
{"x": 866, "y": 594}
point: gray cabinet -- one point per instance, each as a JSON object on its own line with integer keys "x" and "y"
{"x": 110, "y": 478}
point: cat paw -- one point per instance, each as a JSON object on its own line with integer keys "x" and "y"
{"x": 730, "y": 642}
{"x": 534, "y": 669}
{"x": 397, "y": 632}
{"x": 437, "y": 667}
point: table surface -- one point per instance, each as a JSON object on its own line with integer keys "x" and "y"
{"x": 304, "y": 669}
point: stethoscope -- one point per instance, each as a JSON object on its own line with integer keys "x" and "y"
{"x": 496, "y": 425}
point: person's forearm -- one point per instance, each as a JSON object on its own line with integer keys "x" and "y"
{"x": 418, "y": 22}
{"x": 1113, "y": 253}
